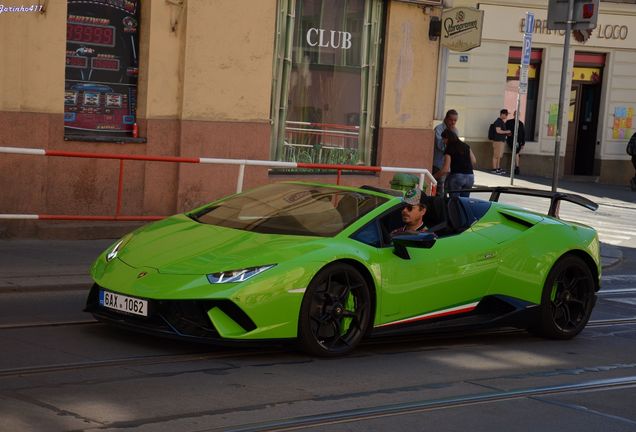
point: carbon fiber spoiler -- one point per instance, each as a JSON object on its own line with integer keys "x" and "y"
{"x": 555, "y": 197}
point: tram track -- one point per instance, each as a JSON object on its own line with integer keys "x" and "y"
{"x": 416, "y": 407}
{"x": 206, "y": 356}
{"x": 28, "y": 325}
{"x": 127, "y": 362}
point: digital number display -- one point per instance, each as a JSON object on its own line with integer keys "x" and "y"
{"x": 90, "y": 34}
{"x": 105, "y": 64}
{"x": 76, "y": 62}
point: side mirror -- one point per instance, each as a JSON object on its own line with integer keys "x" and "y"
{"x": 422, "y": 240}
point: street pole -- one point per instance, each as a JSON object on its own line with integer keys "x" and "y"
{"x": 562, "y": 93}
{"x": 523, "y": 87}
{"x": 513, "y": 154}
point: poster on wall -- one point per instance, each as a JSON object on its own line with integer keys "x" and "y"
{"x": 552, "y": 119}
{"x": 102, "y": 66}
{"x": 623, "y": 118}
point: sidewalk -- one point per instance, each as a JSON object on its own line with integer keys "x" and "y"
{"x": 602, "y": 194}
{"x": 64, "y": 264}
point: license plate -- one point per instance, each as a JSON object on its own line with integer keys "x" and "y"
{"x": 123, "y": 303}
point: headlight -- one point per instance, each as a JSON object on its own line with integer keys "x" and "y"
{"x": 112, "y": 254}
{"x": 237, "y": 275}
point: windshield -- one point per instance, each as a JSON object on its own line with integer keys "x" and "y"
{"x": 297, "y": 209}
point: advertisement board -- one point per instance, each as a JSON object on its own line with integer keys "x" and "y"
{"x": 102, "y": 66}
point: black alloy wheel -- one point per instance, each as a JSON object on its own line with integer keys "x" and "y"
{"x": 567, "y": 300}
{"x": 335, "y": 312}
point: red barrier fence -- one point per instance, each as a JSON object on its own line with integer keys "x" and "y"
{"x": 242, "y": 163}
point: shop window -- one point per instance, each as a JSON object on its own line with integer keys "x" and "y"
{"x": 529, "y": 102}
{"x": 325, "y": 86}
{"x": 102, "y": 65}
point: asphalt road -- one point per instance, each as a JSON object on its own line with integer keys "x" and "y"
{"x": 61, "y": 372}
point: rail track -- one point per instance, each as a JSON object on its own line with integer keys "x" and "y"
{"x": 416, "y": 407}
{"x": 226, "y": 353}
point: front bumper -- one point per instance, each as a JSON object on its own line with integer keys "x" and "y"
{"x": 181, "y": 319}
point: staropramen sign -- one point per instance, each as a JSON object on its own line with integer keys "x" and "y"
{"x": 461, "y": 28}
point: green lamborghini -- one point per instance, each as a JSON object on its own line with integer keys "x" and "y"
{"x": 317, "y": 264}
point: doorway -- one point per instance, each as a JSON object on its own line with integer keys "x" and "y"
{"x": 585, "y": 99}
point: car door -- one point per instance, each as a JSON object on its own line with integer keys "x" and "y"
{"x": 450, "y": 277}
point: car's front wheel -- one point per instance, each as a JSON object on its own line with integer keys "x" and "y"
{"x": 335, "y": 311}
{"x": 567, "y": 300}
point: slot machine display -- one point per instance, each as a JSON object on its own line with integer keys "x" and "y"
{"x": 102, "y": 67}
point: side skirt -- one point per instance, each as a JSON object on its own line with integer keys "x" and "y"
{"x": 491, "y": 311}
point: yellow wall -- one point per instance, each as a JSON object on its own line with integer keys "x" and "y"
{"x": 162, "y": 41}
{"x": 215, "y": 64}
{"x": 229, "y": 51}
{"x": 32, "y": 55}
{"x": 410, "y": 69}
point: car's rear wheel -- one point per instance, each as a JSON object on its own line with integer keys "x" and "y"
{"x": 335, "y": 311}
{"x": 567, "y": 299}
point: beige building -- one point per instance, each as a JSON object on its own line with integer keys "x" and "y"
{"x": 602, "y": 96}
{"x": 326, "y": 81}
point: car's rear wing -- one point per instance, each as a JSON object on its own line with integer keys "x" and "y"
{"x": 555, "y": 197}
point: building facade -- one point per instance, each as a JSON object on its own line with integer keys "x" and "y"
{"x": 600, "y": 80}
{"x": 327, "y": 81}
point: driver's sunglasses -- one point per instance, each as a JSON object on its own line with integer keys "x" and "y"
{"x": 409, "y": 207}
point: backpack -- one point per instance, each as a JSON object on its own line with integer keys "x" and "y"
{"x": 492, "y": 132}
{"x": 631, "y": 146}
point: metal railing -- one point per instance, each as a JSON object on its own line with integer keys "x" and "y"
{"x": 321, "y": 143}
{"x": 242, "y": 163}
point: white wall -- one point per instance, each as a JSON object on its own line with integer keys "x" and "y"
{"x": 621, "y": 92}
{"x": 476, "y": 88}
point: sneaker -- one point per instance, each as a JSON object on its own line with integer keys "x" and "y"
{"x": 495, "y": 171}
{"x": 516, "y": 170}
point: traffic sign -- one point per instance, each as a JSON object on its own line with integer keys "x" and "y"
{"x": 523, "y": 75}
{"x": 527, "y": 49}
{"x": 529, "y": 23}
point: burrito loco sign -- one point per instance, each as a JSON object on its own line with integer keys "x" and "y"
{"x": 461, "y": 28}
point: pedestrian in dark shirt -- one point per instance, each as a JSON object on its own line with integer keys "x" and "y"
{"x": 521, "y": 138}
{"x": 458, "y": 161}
{"x": 631, "y": 150}
{"x": 498, "y": 141}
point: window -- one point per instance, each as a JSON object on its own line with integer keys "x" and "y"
{"x": 325, "y": 84}
{"x": 529, "y": 102}
{"x": 292, "y": 209}
{"x": 102, "y": 65}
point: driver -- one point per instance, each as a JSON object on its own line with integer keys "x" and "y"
{"x": 413, "y": 212}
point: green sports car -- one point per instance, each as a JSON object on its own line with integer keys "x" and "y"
{"x": 317, "y": 264}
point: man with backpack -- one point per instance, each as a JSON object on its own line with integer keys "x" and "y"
{"x": 497, "y": 133}
{"x": 631, "y": 150}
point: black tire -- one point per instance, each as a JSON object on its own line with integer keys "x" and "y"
{"x": 567, "y": 299}
{"x": 335, "y": 311}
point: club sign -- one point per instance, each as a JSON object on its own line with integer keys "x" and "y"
{"x": 461, "y": 28}
{"x": 328, "y": 38}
